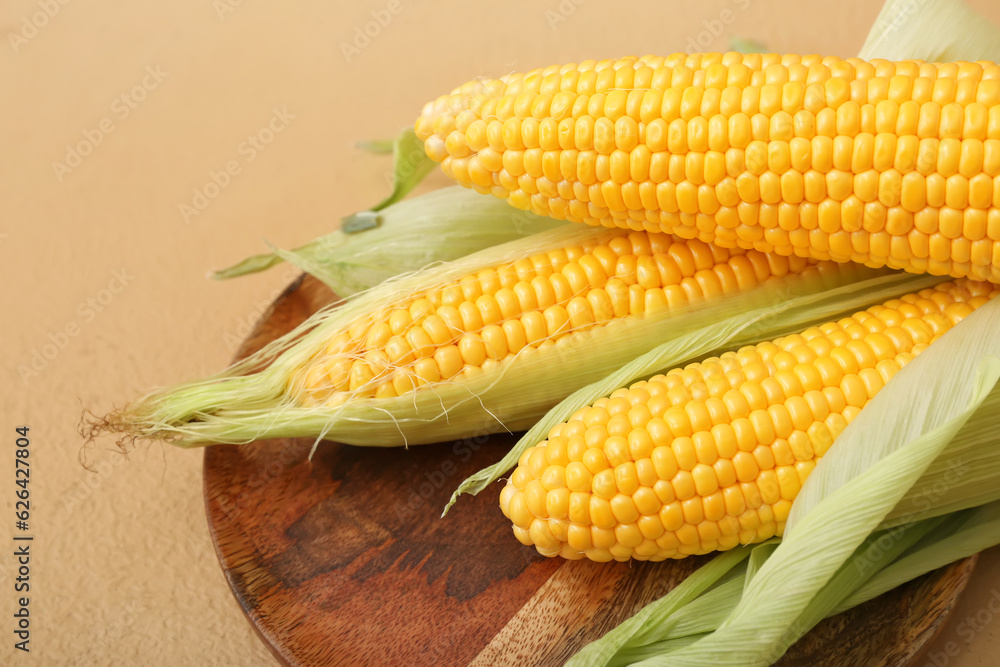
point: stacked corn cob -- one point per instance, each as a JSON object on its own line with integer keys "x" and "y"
{"x": 485, "y": 343}
{"x": 711, "y": 456}
{"x": 882, "y": 163}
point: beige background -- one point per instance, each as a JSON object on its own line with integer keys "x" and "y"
{"x": 102, "y": 273}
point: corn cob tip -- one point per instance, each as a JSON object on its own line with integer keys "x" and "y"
{"x": 129, "y": 425}
{"x": 93, "y": 426}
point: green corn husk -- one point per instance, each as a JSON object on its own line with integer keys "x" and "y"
{"x": 410, "y": 165}
{"x": 747, "y": 45}
{"x": 932, "y": 30}
{"x": 243, "y": 403}
{"x": 697, "y": 607}
{"x": 922, "y": 449}
{"x": 439, "y": 226}
{"x": 377, "y": 146}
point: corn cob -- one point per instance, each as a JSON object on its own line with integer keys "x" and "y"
{"x": 882, "y": 163}
{"x": 711, "y": 456}
{"x": 476, "y": 323}
{"x": 488, "y": 342}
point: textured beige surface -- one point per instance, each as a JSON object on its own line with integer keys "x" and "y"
{"x": 103, "y": 274}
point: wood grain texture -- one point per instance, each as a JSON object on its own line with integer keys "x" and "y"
{"x": 343, "y": 560}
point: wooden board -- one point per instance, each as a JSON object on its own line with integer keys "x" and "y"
{"x": 343, "y": 560}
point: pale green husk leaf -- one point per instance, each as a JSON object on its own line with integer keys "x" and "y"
{"x": 959, "y": 535}
{"x": 747, "y": 45}
{"x": 376, "y": 146}
{"x": 660, "y": 615}
{"x": 885, "y": 560}
{"x": 931, "y": 30}
{"x": 439, "y": 226}
{"x": 410, "y": 165}
{"x": 964, "y": 476}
